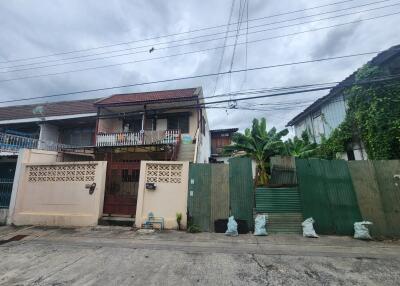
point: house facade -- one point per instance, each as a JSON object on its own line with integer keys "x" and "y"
{"x": 219, "y": 139}
{"x": 327, "y": 113}
{"x": 122, "y": 129}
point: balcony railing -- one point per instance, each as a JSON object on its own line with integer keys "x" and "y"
{"x": 147, "y": 137}
{"x": 13, "y": 143}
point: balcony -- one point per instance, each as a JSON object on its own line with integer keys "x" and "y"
{"x": 13, "y": 143}
{"x": 146, "y": 137}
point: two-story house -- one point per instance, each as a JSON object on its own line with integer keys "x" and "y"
{"x": 122, "y": 129}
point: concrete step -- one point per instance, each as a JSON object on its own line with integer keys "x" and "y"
{"x": 186, "y": 152}
{"x": 284, "y": 222}
{"x": 117, "y": 221}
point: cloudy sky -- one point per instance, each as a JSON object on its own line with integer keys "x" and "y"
{"x": 76, "y": 30}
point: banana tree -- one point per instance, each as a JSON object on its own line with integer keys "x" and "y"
{"x": 259, "y": 144}
{"x": 300, "y": 147}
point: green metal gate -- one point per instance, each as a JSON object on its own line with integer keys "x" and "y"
{"x": 219, "y": 190}
{"x": 199, "y": 199}
{"x": 283, "y": 206}
{"x": 328, "y": 195}
{"x": 241, "y": 189}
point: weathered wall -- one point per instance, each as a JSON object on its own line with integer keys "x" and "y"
{"x": 49, "y": 133}
{"x": 170, "y": 195}
{"x": 368, "y": 195}
{"x": 54, "y": 193}
{"x": 377, "y": 185}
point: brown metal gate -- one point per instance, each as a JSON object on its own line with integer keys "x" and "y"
{"x": 121, "y": 188}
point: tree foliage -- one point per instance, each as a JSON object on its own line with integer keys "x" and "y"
{"x": 259, "y": 144}
{"x": 300, "y": 147}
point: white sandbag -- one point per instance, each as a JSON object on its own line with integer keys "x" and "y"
{"x": 232, "y": 227}
{"x": 361, "y": 230}
{"x": 308, "y": 228}
{"x": 260, "y": 225}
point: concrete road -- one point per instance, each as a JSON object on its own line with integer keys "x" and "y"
{"x": 120, "y": 256}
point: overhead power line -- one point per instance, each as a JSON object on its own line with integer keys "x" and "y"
{"x": 174, "y": 34}
{"x": 198, "y": 51}
{"x": 146, "y": 51}
{"x": 188, "y": 77}
{"x": 307, "y": 90}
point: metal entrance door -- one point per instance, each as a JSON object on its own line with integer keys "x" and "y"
{"x": 121, "y": 188}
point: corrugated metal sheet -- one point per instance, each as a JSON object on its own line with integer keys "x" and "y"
{"x": 388, "y": 179}
{"x": 368, "y": 195}
{"x": 283, "y": 207}
{"x": 219, "y": 193}
{"x": 241, "y": 189}
{"x": 199, "y": 199}
{"x": 283, "y": 171}
{"x": 334, "y": 113}
{"x": 278, "y": 200}
{"x": 328, "y": 195}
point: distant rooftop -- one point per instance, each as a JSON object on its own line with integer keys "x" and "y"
{"x": 61, "y": 108}
{"x": 230, "y": 130}
{"x": 150, "y": 97}
{"x": 379, "y": 60}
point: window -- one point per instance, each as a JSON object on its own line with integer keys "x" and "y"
{"x": 134, "y": 125}
{"x": 78, "y": 136}
{"x": 179, "y": 122}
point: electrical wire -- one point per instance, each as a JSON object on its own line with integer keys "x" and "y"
{"x": 175, "y": 34}
{"x": 191, "y": 77}
{"x": 191, "y": 52}
{"x": 192, "y": 38}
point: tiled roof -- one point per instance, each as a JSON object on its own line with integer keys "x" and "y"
{"x": 381, "y": 59}
{"x": 148, "y": 97}
{"x": 230, "y": 130}
{"x": 48, "y": 109}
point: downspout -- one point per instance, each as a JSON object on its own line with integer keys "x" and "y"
{"x": 196, "y": 146}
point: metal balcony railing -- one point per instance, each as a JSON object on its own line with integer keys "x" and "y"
{"x": 13, "y": 143}
{"x": 147, "y": 137}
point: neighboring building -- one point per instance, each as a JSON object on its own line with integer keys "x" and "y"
{"x": 219, "y": 139}
{"x": 122, "y": 129}
{"x": 324, "y": 115}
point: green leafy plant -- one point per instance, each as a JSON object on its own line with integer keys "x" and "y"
{"x": 194, "y": 228}
{"x": 259, "y": 144}
{"x": 300, "y": 147}
{"x": 372, "y": 118}
{"x": 179, "y": 219}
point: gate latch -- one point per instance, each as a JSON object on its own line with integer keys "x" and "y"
{"x": 91, "y": 188}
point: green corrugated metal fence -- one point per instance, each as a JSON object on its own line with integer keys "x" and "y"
{"x": 283, "y": 206}
{"x": 241, "y": 189}
{"x": 278, "y": 200}
{"x": 377, "y": 185}
{"x": 199, "y": 199}
{"x": 327, "y": 195}
{"x": 219, "y": 190}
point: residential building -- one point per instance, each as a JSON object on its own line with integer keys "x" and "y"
{"x": 122, "y": 129}
{"x": 325, "y": 114}
{"x": 219, "y": 139}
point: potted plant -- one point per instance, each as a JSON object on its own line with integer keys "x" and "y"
{"x": 178, "y": 220}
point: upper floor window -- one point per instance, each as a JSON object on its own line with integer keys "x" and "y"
{"x": 179, "y": 122}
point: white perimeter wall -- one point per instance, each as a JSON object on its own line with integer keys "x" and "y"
{"x": 170, "y": 195}
{"x": 51, "y": 193}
